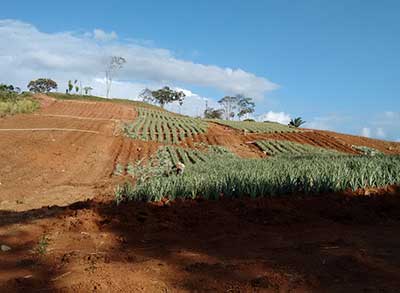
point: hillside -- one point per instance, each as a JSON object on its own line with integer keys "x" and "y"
{"x": 61, "y": 165}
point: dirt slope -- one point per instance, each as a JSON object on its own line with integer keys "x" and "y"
{"x": 330, "y": 243}
{"x": 72, "y": 161}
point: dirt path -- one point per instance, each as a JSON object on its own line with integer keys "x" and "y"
{"x": 62, "y": 154}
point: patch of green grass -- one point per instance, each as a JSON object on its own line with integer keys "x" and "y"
{"x": 256, "y": 127}
{"x": 18, "y": 106}
{"x": 62, "y": 96}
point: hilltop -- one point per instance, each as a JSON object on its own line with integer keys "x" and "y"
{"x": 61, "y": 166}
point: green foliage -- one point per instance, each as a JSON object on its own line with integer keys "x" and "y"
{"x": 283, "y": 147}
{"x": 163, "y": 126}
{"x": 62, "y": 96}
{"x": 367, "y": 151}
{"x": 42, "y": 85}
{"x": 245, "y": 106}
{"x": 233, "y": 177}
{"x": 229, "y": 105}
{"x": 42, "y": 245}
{"x": 13, "y": 103}
{"x": 211, "y": 113}
{"x": 18, "y": 106}
{"x": 70, "y": 86}
{"x": 167, "y": 95}
{"x": 296, "y": 122}
{"x": 256, "y": 127}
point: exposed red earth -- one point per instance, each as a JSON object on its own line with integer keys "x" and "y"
{"x": 66, "y": 234}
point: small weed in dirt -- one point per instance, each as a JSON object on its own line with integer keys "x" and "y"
{"x": 42, "y": 245}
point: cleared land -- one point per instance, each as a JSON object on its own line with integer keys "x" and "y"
{"x": 59, "y": 217}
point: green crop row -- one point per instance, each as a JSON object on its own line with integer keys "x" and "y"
{"x": 163, "y": 126}
{"x": 283, "y": 147}
{"x": 233, "y": 177}
{"x": 256, "y": 127}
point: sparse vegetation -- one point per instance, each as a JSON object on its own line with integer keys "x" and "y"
{"x": 256, "y": 127}
{"x": 42, "y": 245}
{"x": 367, "y": 151}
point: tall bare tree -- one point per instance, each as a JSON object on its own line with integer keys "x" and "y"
{"x": 229, "y": 104}
{"x": 114, "y": 64}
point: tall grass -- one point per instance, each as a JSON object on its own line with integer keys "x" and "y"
{"x": 234, "y": 177}
{"x": 17, "y": 106}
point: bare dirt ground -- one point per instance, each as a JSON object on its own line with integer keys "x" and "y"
{"x": 66, "y": 234}
{"x": 329, "y": 243}
{"x": 64, "y": 153}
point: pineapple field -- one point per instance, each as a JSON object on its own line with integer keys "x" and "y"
{"x": 107, "y": 195}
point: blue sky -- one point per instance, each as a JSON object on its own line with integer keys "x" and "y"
{"x": 336, "y": 63}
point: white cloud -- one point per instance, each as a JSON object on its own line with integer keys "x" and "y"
{"x": 27, "y": 53}
{"x": 380, "y": 132}
{"x": 366, "y": 132}
{"x": 101, "y": 35}
{"x": 280, "y": 117}
{"x": 193, "y": 105}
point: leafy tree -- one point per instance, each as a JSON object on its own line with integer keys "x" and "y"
{"x": 167, "y": 95}
{"x": 8, "y": 92}
{"x": 114, "y": 64}
{"x": 76, "y": 89}
{"x": 245, "y": 105}
{"x": 9, "y": 88}
{"x": 229, "y": 105}
{"x": 87, "y": 90}
{"x": 296, "y": 122}
{"x": 42, "y": 85}
{"x": 70, "y": 86}
{"x": 211, "y": 113}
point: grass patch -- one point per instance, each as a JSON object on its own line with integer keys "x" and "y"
{"x": 62, "y": 96}
{"x": 12, "y": 103}
{"x": 256, "y": 127}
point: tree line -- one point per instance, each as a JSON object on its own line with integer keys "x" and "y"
{"x": 236, "y": 106}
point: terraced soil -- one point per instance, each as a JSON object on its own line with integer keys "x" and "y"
{"x": 64, "y": 153}
{"x": 61, "y": 231}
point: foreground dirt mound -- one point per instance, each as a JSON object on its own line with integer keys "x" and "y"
{"x": 317, "y": 244}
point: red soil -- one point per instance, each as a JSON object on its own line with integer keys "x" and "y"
{"x": 329, "y": 243}
{"x": 62, "y": 166}
{"x": 386, "y": 147}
